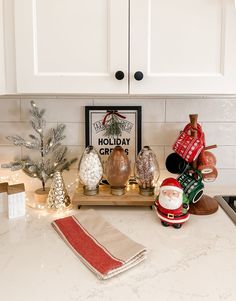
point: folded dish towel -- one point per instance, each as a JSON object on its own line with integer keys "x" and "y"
{"x": 100, "y": 246}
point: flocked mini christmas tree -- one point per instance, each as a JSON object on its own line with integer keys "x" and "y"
{"x": 58, "y": 198}
{"x": 51, "y": 151}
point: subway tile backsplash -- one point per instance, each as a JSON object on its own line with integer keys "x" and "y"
{"x": 58, "y": 110}
{"x": 152, "y": 110}
{"x": 209, "y": 110}
{"x": 162, "y": 119}
{"x": 10, "y": 109}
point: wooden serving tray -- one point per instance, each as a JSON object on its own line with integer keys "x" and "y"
{"x": 104, "y": 197}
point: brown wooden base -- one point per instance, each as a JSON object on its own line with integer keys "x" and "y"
{"x": 40, "y": 195}
{"x": 205, "y": 206}
{"x": 38, "y": 198}
{"x": 104, "y": 197}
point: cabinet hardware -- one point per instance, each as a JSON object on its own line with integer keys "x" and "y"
{"x": 119, "y": 75}
{"x": 138, "y": 75}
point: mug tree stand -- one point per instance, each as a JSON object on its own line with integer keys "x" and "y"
{"x": 206, "y": 205}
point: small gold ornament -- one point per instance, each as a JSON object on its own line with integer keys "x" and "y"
{"x": 58, "y": 198}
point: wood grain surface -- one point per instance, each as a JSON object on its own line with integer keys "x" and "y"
{"x": 104, "y": 197}
{"x": 205, "y": 206}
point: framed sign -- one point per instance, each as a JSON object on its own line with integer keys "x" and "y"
{"x": 108, "y": 126}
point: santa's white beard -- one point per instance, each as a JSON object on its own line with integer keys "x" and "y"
{"x": 170, "y": 203}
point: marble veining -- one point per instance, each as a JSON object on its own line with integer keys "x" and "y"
{"x": 197, "y": 262}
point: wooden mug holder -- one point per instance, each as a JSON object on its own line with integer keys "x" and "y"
{"x": 206, "y": 205}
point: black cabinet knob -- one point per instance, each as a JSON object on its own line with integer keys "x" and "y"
{"x": 119, "y": 75}
{"x": 138, "y": 75}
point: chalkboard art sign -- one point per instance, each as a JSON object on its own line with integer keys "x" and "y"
{"x": 106, "y": 127}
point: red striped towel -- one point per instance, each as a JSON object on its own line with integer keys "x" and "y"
{"x": 100, "y": 246}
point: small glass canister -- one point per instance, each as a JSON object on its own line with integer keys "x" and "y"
{"x": 90, "y": 170}
{"x": 147, "y": 171}
{"x": 118, "y": 170}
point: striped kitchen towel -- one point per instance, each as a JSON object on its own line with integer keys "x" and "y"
{"x": 100, "y": 246}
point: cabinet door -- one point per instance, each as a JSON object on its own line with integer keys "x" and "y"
{"x": 2, "y": 64}
{"x": 71, "y": 46}
{"x": 184, "y": 46}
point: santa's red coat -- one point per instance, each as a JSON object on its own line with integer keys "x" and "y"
{"x": 175, "y": 216}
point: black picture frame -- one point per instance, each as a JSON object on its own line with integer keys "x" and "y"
{"x": 94, "y": 130}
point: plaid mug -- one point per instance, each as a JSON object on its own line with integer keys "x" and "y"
{"x": 187, "y": 146}
{"x": 192, "y": 185}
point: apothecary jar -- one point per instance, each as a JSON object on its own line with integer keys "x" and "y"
{"x": 90, "y": 170}
{"x": 118, "y": 170}
{"x": 147, "y": 171}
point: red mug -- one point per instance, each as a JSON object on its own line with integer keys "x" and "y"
{"x": 187, "y": 146}
{"x": 211, "y": 176}
{"x": 206, "y": 162}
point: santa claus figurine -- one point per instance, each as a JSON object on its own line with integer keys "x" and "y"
{"x": 171, "y": 204}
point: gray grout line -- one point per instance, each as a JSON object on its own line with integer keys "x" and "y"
{"x": 20, "y": 110}
{"x": 127, "y": 96}
{"x": 144, "y": 122}
{"x": 165, "y": 109}
{"x": 152, "y": 145}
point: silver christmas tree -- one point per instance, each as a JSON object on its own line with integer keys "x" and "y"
{"x": 51, "y": 151}
{"x": 58, "y": 198}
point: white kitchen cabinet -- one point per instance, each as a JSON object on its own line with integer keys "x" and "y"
{"x": 184, "y": 46}
{"x": 77, "y": 46}
{"x": 2, "y": 51}
{"x": 71, "y": 46}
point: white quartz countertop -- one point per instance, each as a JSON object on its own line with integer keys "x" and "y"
{"x": 196, "y": 262}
